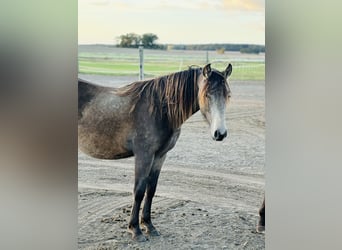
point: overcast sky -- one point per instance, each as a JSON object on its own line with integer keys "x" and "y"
{"x": 173, "y": 21}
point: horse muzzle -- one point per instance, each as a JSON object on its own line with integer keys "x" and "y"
{"x": 219, "y": 135}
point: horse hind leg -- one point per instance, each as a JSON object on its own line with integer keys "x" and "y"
{"x": 150, "y": 191}
{"x": 143, "y": 165}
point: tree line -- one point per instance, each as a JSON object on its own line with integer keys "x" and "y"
{"x": 149, "y": 41}
{"x": 243, "y": 48}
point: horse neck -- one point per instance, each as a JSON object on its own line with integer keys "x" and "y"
{"x": 189, "y": 104}
{"x": 196, "y": 85}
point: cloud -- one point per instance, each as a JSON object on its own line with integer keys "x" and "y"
{"x": 96, "y": 2}
{"x": 244, "y": 5}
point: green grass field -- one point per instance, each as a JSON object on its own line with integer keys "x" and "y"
{"x": 116, "y": 62}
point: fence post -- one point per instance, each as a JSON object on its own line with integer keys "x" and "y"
{"x": 141, "y": 64}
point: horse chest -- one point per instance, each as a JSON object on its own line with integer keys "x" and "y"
{"x": 169, "y": 143}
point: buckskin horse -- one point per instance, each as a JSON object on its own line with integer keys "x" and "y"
{"x": 143, "y": 119}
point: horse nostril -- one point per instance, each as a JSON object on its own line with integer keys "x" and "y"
{"x": 216, "y": 134}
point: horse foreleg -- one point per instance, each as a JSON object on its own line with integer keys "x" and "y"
{"x": 261, "y": 223}
{"x": 143, "y": 165}
{"x": 152, "y": 181}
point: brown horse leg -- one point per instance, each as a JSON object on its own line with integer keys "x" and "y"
{"x": 261, "y": 223}
{"x": 150, "y": 191}
{"x": 143, "y": 165}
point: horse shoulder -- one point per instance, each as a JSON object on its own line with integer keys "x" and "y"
{"x": 170, "y": 142}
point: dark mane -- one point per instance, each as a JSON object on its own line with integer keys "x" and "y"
{"x": 174, "y": 95}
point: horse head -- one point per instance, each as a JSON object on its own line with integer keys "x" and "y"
{"x": 214, "y": 94}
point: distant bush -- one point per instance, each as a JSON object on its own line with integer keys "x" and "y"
{"x": 220, "y": 51}
{"x": 250, "y": 50}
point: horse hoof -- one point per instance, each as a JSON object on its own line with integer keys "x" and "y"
{"x": 260, "y": 229}
{"x": 154, "y": 232}
{"x": 137, "y": 235}
{"x": 140, "y": 238}
{"x": 150, "y": 229}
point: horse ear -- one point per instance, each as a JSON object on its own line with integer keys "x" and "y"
{"x": 228, "y": 70}
{"x": 206, "y": 71}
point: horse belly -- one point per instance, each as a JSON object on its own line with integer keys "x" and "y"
{"x": 105, "y": 142}
{"x": 105, "y": 130}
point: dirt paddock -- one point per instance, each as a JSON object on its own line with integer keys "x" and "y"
{"x": 208, "y": 193}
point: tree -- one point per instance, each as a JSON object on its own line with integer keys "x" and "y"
{"x": 148, "y": 40}
{"x": 130, "y": 40}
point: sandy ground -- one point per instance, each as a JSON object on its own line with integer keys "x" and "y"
{"x": 208, "y": 193}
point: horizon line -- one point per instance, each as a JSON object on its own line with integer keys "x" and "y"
{"x": 177, "y": 44}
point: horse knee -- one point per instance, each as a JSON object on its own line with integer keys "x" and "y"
{"x": 139, "y": 190}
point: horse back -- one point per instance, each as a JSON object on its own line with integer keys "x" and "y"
{"x": 86, "y": 93}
